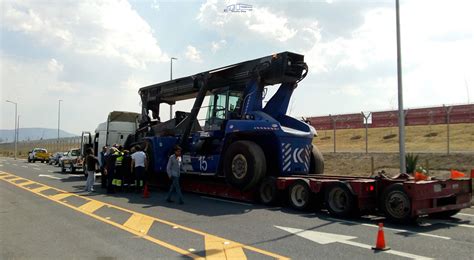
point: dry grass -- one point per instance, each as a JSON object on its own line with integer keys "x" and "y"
{"x": 416, "y": 140}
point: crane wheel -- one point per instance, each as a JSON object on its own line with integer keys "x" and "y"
{"x": 244, "y": 164}
{"x": 316, "y": 164}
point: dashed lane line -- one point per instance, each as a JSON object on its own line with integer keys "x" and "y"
{"x": 139, "y": 224}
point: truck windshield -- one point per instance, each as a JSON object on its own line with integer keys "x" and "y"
{"x": 75, "y": 153}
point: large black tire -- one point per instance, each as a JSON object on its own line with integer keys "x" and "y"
{"x": 73, "y": 170}
{"x": 63, "y": 169}
{"x": 445, "y": 214}
{"x": 268, "y": 192}
{"x": 339, "y": 200}
{"x": 244, "y": 164}
{"x": 316, "y": 163}
{"x": 396, "y": 204}
{"x": 299, "y": 195}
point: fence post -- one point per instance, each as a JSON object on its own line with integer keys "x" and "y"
{"x": 334, "y": 120}
{"x": 448, "y": 112}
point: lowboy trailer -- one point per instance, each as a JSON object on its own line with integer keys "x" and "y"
{"x": 247, "y": 149}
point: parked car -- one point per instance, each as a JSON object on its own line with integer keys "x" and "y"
{"x": 54, "y": 159}
{"x": 71, "y": 160}
{"x": 38, "y": 154}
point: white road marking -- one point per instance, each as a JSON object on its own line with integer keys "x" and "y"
{"x": 24, "y": 166}
{"x": 452, "y": 224}
{"x": 327, "y": 238}
{"x": 50, "y": 171}
{"x": 391, "y": 229}
{"x": 1, "y": 165}
{"x": 228, "y": 201}
{"x": 464, "y": 214}
{"x": 49, "y": 176}
{"x": 15, "y": 164}
{"x": 38, "y": 169}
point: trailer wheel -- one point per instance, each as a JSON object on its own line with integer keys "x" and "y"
{"x": 445, "y": 214}
{"x": 268, "y": 191}
{"x": 339, "y": 200}
{"x": 316, "y": 163}
{"x": 299, "y": 195}
{"x": 395, "y": 203}
{"x": 244, "y": 164}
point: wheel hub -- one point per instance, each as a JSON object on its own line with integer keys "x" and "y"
{"x": 298, "y": 195}
{"x": 338, "y": 199}
{"x": 398, "y": 205}
{"x": 239, "y": 166}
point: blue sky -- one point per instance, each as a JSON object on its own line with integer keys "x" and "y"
{"x": 95, "y": 55}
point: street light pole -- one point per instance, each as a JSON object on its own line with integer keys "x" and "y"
{"x": 59, "y": 119}
{"x": 171, "y": 77}
{"x": 16, "y": 126}
{"x": 401, "y": 114}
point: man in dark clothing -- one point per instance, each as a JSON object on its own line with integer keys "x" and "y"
{"x": 110, "y": 168}
{"x": 126, "y": 174}
{"x": 91, "y": 166}
{"x": 102, "y": 161}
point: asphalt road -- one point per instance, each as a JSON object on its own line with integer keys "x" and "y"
{"x": 46, "y": 215}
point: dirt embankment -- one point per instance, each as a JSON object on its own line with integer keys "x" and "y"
{"x": 359, "y": 164}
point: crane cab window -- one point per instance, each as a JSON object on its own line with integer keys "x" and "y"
{"x": 221, "y": 106}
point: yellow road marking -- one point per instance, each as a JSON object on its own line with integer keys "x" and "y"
{"x": 60, "y": 196}
{"x": 229, "y": 249}
{"x": 37, "y": 190}
{"x": 26, "y": 183}
{"x": 219, "y": 248}
{"x": 91, "y": 206}
{"x": 139, "y": 222}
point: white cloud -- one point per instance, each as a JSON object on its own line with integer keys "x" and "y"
{"x": 260, "y": 22}
{"x": 54, "y": 66}
{"x": 107, "y": 28}
{"x": 215, "y": 46}
{"x": 155, "y": 5}
{"x": 193, "y": 54}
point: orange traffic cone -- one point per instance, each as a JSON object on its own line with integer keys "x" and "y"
{"x": 146, "y": 193}
{"x": 455, "y": 174}
{"x": 380, "y": 243}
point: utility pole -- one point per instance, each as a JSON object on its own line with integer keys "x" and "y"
{"x": 366, "y": 122}
{"x": 401, "y": 114}
{"x": 59, "y": 119}
{"x": 171, "y": 77}
{"x": 16, "y": 126}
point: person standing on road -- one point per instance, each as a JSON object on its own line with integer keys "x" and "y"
{"x": 110, "y": 168}
{"x": 174, "y": 171}
{"x": 102, "y": 158}
{"x": 139, "y": 164}
{"x": 126, "y": 170}
{"x": 91, "y": 167}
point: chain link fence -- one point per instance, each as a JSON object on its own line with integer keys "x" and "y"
{"x": 52, "y": 145}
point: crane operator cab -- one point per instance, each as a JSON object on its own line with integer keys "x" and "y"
{"x": 223, "y": 105}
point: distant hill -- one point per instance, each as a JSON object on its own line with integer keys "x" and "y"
{"x": 24, "y": 134}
